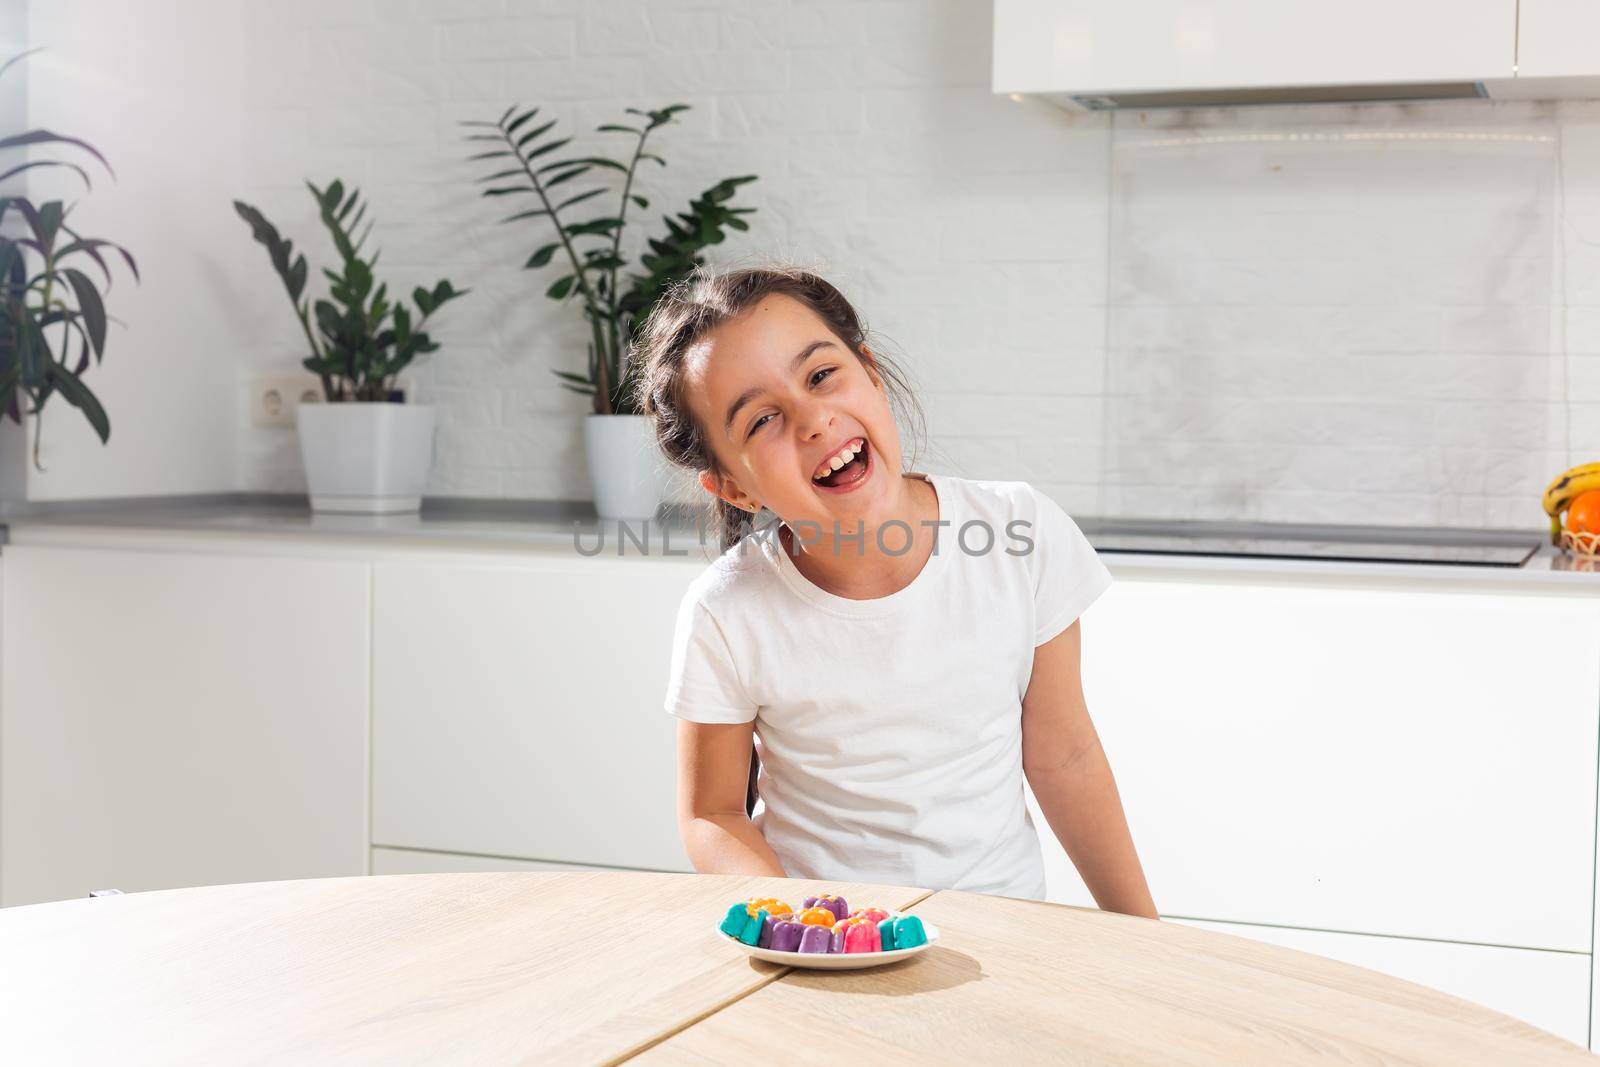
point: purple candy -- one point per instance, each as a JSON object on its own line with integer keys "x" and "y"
{"x": 814, "y": 939}
{"x": 765, "y": 940}
{"x": 836, "y": 942}
{"x": 786, "y": 936}
{"x": 837, "y": 905}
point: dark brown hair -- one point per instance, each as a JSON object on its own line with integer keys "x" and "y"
{"x": 698, "y": 304}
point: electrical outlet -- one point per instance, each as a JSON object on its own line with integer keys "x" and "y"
{"x": 274, "y": 397}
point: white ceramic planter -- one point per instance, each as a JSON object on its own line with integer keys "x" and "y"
{"x": 369, "y": 458}
{"x": 624, "y": 465}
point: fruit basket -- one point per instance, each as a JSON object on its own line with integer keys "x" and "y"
{"x": 1573, "y": 503}
{"x": 1581, "y": 543}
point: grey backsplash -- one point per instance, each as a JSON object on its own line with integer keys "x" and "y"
{"x": 1345, "y": 314}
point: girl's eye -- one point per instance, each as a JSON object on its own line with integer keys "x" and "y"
{"x": 818, "y": 376}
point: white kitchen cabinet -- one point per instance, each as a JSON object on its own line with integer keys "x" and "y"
{"x": 1374, "y": 760}
{"x": 518, "y": 709}
{"x": 179, "y": 719}
{"x": 1109, "y": 46}
{"x": 1556, "y": 38}
{"x": 417, "y": 861}
{"x": 1550, "y": 990}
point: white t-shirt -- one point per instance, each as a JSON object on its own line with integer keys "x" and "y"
{"x": 890, "y": 729}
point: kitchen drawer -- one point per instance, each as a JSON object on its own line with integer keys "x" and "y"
{"x": 409, "y": 861}
{"x": 1548, "y": 989}
{"x": 517, "y": 709}
{"x": 1415, "y": 763}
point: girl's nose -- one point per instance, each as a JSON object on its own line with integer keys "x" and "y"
{"x": 813, "y": 419}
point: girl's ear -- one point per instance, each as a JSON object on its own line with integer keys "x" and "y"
{"x": 727, "y": 489}
{"x": 871, "y": 363}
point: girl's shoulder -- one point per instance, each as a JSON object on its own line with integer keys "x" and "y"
{"x": 743, "y": 570}
{"x": 1018, "y": 513}
{"x": 996, "y": 500}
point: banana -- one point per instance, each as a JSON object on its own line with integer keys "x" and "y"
{"x": 1561, "y": 491}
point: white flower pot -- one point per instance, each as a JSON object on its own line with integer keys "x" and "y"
{"x": 625, "y": 465}
{"x": 366, "y": 457}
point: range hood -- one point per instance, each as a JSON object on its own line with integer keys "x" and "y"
{"x": 1105, "y": 55}
{"x": 1277, "y": 94}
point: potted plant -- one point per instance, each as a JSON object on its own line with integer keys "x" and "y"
{"x": 49, "y": 309}
{"x": 366, "y": 450}
{"x": 623, "y": 467}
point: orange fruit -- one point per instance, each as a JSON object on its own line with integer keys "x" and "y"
{"x": 1583, "y": 514}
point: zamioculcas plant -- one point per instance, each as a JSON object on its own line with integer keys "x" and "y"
{"x": 612, "y": 307}
{"x": 362, "y": 339}
{"x": 50, "y": 309}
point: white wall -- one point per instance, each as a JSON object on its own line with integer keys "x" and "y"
{"x": 1350, "y": 314}
{"x": 13, "y": 116}
{"x": 970, "y": 229}
{"x": 154, "y": 86}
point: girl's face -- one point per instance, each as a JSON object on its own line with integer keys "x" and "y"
{"x": 778, "y": 395}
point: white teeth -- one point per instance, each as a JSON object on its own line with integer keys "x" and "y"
{"x": 845, "y": 455}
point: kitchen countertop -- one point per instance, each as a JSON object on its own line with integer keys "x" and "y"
{"x": 679, "y": 531}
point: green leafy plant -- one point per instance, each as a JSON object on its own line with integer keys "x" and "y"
{"x": 612, "y": 307}
{"x": 48, "y": 307}
{"x": 362, "y": 339}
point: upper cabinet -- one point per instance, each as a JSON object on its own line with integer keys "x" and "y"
{"x": 1556, "y": 38}
{"x": 1106, "y": 53}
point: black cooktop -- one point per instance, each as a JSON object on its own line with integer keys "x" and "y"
{"x": 1367, "y": 544}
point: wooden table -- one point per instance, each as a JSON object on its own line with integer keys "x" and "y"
{"x": 600, "y": 968}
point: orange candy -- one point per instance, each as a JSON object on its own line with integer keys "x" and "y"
{"x": 1583, "y": 514}
{"x": 816, "y": 917}
{"x": 774, "y": 906}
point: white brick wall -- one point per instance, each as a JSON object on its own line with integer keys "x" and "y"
{"x": 1376, "y": 313}
{"x": 969, "y": 229}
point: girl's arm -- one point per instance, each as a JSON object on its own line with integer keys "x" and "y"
{"x": 713, "y": 774}
{"x": 1067, "y": 768}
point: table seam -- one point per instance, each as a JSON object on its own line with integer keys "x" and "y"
{"x": 674, "y": 1031}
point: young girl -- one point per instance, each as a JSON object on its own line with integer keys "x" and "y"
{"x": 900, "y": 647}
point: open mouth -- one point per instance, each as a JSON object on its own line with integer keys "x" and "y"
{"x": 850, "y": 475}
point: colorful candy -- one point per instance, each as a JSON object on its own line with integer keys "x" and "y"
{"x": 908, "y": 932}
{"x": 744, "y": 924}
{"x": 823, "y": 925}
{"x": 814, "y": 939}
{"x": 773, "y": 905}
{"x": 861, "y": 935}
{"x": 834, "y": 904}
{"x": 786, "y": 936}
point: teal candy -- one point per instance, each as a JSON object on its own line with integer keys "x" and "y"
{"x": 908, "y": 932}
{"x": 734, "y": 922}
{"x": 886, "y": 934}
{"x": 752, "y": 927}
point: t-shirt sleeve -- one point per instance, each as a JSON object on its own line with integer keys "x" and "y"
{"x": 1067, "y": 573}
{"x": 704, "y": 682}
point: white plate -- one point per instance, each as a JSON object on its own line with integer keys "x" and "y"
{"x": 833, "y": 961}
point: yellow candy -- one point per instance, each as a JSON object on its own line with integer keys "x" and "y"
{"x": 816, "y": 917}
